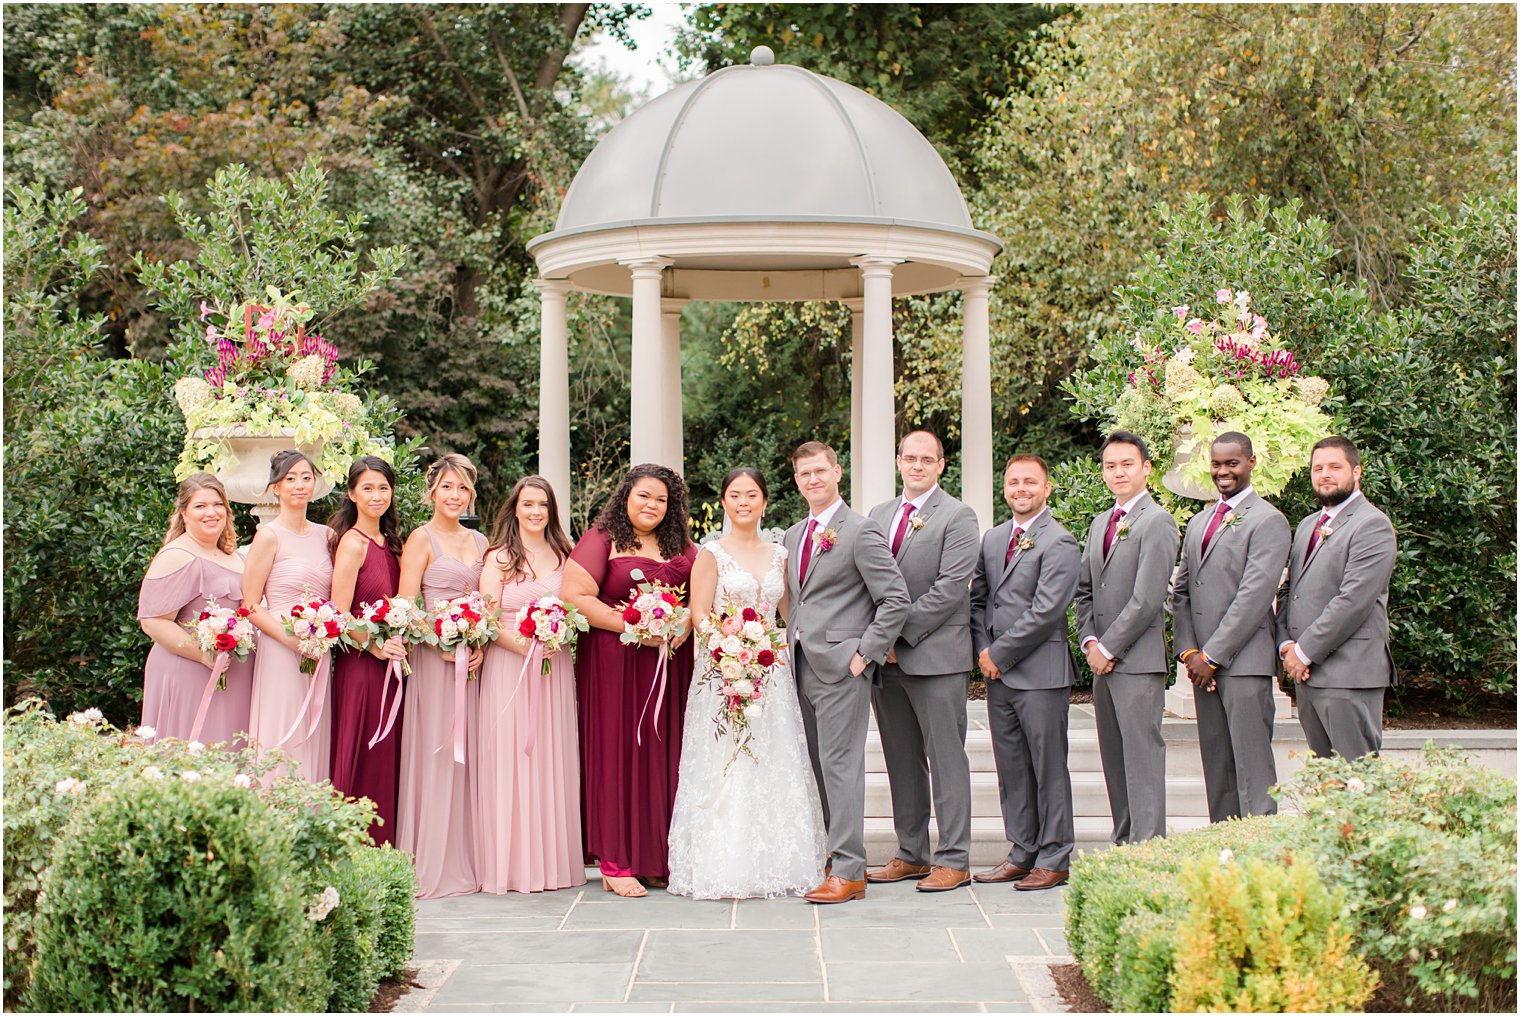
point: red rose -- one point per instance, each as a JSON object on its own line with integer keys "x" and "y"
{"x": 333, "y": 631}
{"x": 438, "y": 627}
{"x": 718, "y": 655}
{"x": 297, "y": 610}
{"x": 381, "y": 609}
{"x": 765, "y": 657}
{"x": 226, "y": 642}
{"x": 243, "y": 612}
{"x": 750, "y": 614}
{"x": 669, "y": 598}
{"x": 527, "y": 628}
{"x": 204, "y": 614}
{"x": 631, "y": 614}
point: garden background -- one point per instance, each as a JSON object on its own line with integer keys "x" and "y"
{"x": 1353, "y": 167}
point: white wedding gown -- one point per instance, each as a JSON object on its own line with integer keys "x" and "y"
{"x": 756, "y": 831}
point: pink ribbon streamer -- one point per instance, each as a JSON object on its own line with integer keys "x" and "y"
{"x": 218, "y": 668}
{"x": 461, "y": 682}
{"x": 523, "y": 677}
{"x": 393, "y": 669}
{"x": 311, "y": 707}
{"x": 657, "y": 693}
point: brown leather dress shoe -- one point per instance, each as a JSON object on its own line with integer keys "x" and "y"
{"x": 837, "y": 890}
{"x": 944, "y": 879}
{"x": 1042, "y": 878}
{"x": 897, "y": 870}
{"x": 1005, "y": 872}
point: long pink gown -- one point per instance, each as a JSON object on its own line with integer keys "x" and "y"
{"x": 528, "y": 815}
{"x": 302, "y": 570}
{"x": 434, "y": 809}
{"x": 173, "y": 685}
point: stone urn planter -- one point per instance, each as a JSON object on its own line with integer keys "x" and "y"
{"x": 246, "y": 473}
{"x": 1185, "y": 451}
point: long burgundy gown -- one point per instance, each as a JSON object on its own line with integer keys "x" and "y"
{"x": 629, "y": 787}
{"x": 359, "y": 682}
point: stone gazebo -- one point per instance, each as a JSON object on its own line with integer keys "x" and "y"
{"x": 767, "y": 182}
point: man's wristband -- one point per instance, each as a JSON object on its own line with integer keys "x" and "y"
{"x": 1186, "y": 653}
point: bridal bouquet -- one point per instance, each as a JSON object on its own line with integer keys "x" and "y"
{"x": 318, "y": 626}
{"x": 745, "y": 649}
{"x": 225, "y": 632}
{"x": 387, "y": 618}
{"x": 552, "y": 623}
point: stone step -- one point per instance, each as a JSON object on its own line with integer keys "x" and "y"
{"x": 1185, "y": 797}
{"x": 988, "y": 846}
{"x": 1182, "y": 758}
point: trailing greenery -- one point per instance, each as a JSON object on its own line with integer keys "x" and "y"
{"x": 1419, "y": 861}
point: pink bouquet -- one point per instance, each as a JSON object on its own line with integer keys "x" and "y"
{"x": 552, "y": 624}
{"x": 227, "y": 634}
{"x": 318, "y": 626}
{"x": 387, "y": 618}
{"x": 653, "y": 611}
{"x": 744, "y": 650}
{"x": 465, "y": 622}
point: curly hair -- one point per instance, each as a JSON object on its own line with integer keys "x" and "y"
{"x": 672, "y": 532}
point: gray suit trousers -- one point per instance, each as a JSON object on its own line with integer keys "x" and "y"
{"x": 1129, "y": 707}
{"x": 835, "y": 717}
{"x": 1345, "y": 721}
{"x": 1235, "y": 740}
{"x": 1034, "y": 782}
{"x": 922, "y": 721}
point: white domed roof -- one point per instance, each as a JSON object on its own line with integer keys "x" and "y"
{"x": 764, "y": 141}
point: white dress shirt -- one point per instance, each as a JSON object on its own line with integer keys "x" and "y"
{"x": 822, "y": 518}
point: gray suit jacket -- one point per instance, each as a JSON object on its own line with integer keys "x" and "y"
{"x": 936, "y": 561}
{"x": 1222, "y": 600}
{"x": 854, "y": 598}
{"x": 1336, "y": 605}
{"x": 1018, "y": 612}
{"x": 1122, "y": 601}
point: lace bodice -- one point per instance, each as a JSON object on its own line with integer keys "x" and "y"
{"x": 737, "y": 584}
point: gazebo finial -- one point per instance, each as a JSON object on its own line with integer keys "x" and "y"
{"x": 762, "y": 56}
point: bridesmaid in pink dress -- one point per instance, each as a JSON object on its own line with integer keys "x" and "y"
{"x": 199, "y": 559}
{"x": 367, "y": 567}
{"x": 289, "y": 561}
{"x": 435, "y": 806}
{"x": 527, "y": 791}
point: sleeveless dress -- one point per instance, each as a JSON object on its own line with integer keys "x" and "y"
{"x": 753, "y": 828}
{"x": 628, "y": 764}
{"x": 528, "y": 815}
{"x": 302, "y": 569}
{"x": 434, "y": 809}
{"x": 358, "y": 711}
{"x": 173, "y": 685}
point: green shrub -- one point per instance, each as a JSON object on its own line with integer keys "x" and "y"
{"x": 1426, "y": 857}
{"x": 398, "y": 896}
{"x": 1261, "y": 937}
{"x": 163, "y": 897}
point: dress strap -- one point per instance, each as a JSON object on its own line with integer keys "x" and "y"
{"x": 433, "y": 541}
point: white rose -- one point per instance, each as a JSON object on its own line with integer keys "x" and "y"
{"x": 153, "y": 773}
{"x": 243, "y": 780}
{"x": 1355, "y": 785}
{"x": 449, "y": 631}
{"x": 744, "y": 688}
{"x": 732, "y": 670}
{"x": 68, "y": 785}
{"x": 752, "y": 711}
{"x": 1417, "y": 913}
{"x": 754, "y": 630}
{"x": 87, "y": 717}
{"x": 1449, "y": 906}
{"x": 731, "y": 645}
{"x": 146, "y": 732}
{"x": 194, "y": 748}
{"x": 190, "y": 776}
{"x": 1226, "y": 856}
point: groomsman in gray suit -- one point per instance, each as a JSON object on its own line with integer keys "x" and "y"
{"x": 1025, "y": 578}
{"x": 1121, "y": 610}
{"x": 1332, "y": 612}
{"x": 1223, "y": 631}
{"x": 848, "y": 603}
{"x": 921, "y": 701}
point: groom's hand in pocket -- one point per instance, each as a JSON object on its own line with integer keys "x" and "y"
{"x": 858, "y": 665}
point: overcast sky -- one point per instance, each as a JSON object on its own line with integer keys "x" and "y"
{"x": 648, "y": 69}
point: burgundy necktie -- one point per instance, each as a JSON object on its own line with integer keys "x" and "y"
{"x": 1220, "y": 511}
{"x": 1113, "y": 527}
{"x": 902, "y": 527}
{"x": 1013, "y": 545}
{"x": 1324, "y": 520}
{"x": 807, "y": 552}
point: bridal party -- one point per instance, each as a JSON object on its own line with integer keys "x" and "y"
{"x": 521, "y": 707}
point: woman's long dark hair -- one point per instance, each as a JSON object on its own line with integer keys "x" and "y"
{"x": 506, "y": 537}
{"x": 671, "y": 533}
{"x": 347, "y": 515}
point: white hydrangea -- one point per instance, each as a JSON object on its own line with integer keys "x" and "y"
{"x": 152, "y": 773}
{"x": 191, "y": 393}
{"x": 307, "y": 372}
{"x": 1226, "y": 402}
{"x": 1312, "y": 389}
{"x": 190, "y": 776}
{"x": 146, "y": 732}
{"x": 322, "y": 904}
{"x": 1181, "y": 377}
{"x": 347, "y": 405}
{"x": 87, "y": 717}
{"x": 243, "y": 780}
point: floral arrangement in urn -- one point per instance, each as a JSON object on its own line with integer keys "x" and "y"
{"x": 1198, "y": 377}
{"x": 274, "y": 384}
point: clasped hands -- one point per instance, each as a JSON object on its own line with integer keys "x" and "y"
{"x": 1292, "y": 665}
{"x": 1099, "y": 663}
{"x": 680, "y": 634}
{"x": 1200, "y": 671}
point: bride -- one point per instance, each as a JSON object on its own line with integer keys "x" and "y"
{"x": 746, "y": 824}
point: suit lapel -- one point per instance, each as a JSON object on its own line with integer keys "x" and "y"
{"x": 1031, "y": 534}
{"x": 925, "y": 513}
{"x": 1240, "y": 517}
{"x": 838, "y": 523}
{"x": 1128, "y": 522}
{"x": 1339, "y": 524}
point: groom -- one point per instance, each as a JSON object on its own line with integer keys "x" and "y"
{"x": 848, "y": 604}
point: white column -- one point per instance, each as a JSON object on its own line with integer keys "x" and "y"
{"x": 878, "y": 418}
{"x": 857, "y": 344}
{"x": 670, "y": 334}
{"x": 647, "y": 407}
{"x": 976, "y": 399}
{"x": 554, "y": 392}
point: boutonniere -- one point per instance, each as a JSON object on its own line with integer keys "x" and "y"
{"x": 825, "y": 539}
{"x": 1026, "y": 543}
{"x": 916, "y": 522}
{"x": 1231, "y": 520}
{"x": 1325, "y": 532}
{"x": 1122, "y": 529}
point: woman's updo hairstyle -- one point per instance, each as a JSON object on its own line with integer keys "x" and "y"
{"x": 749, "y": 471}
{"x": 460, "y": 466}
{"x": 281, "y": 463}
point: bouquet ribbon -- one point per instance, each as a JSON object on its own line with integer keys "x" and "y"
{"x": 525, "y": 676}
{"x": 311, "y": 708}
{"x": 218, "y": 668}
{"x": 656, "y": 694}
{"x": 393, "y": 669}
{"x": 461, "y": 682}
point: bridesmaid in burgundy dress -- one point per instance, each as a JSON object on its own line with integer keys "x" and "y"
{"x": 366, "y": 567}
{"x": 528, "y": 784}
{"x": 199, "y": 559}
{"x": 630, "y": 727}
